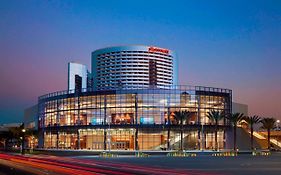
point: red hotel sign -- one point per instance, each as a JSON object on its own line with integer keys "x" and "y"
{"x": 159, "y": 50}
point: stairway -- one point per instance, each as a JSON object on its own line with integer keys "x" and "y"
{"x": 174, "y": 142}
{"x": 262, "y": 138}
{"x": 244, "y": 140}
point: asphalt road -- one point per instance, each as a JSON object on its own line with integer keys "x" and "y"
{"x": 44, "y": 164}
{"x": 6, "y": 169}
{"x": 123, "y": 165}
{"x": 242, "y": 164}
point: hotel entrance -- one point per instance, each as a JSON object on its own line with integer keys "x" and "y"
{"x": 125, "y": 145}
{"x": 97, "y": 146}
{"x": 121, "y": 139}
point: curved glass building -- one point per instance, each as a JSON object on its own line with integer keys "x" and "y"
{"x": 130, "y": 119}
{"x": 134, "y": 66}
{"x": 133, "y": 106}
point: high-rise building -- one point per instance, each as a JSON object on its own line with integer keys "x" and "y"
{"x": 77, "y": 76}
{"x": 240, "y": 108}
{"x": 89, "y": 80}
{"x": 132, "y": 67}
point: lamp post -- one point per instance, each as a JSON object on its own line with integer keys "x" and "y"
{"x": 23, "y": 139}
{"x": 32, "y": 144}
{"x": 202, "y": 135}
{"x": 278, "y": 129}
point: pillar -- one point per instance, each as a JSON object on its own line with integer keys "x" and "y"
{"x": 78, "y": 139}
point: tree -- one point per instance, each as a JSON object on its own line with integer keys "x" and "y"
{"x": 268, "y": 124}
{"x": 215, "y": 117}
{"x": 17, "y": 132}
{"x": 12, "y": 136}
{"x": 180, "y": 116}
{"x": 4, "y": 138}
{"x": 251, "y": 120}
{"x": 234, "y": 120}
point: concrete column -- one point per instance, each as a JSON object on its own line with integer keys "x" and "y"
{"x": 78, "y": 139}
{"x": 136, "y": 109}
{"x": 104, "y": 124}
{"x": 104, "y": 139}
{"x": 57, "y": 125}
{"x": 224, "y": 139}
{"x": 79, "y": 122}
{"x": 57, "y": 144}
{"x": 136, "y": 139}
{"x": 136, "y": 123}
{"x": 169, "y": 130}
{"x": 199, "y": 140}
{"x": 205, "y": 140}
{"x": 41, "y": 139}
{"x": 57, "y": 117}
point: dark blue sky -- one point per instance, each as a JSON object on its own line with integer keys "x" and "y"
{"x": 235, "y": 45}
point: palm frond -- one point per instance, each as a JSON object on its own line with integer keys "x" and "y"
{"x": 182, "y": 115}
{"x": 215, "y": 116}
{"x": 268, "y": 123}
{"x": 251, "y": 120}
{"x": 235, "y": 118}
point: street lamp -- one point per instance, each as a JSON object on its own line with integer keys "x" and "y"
{"x": 23, "y": 138}
{"x": 278, "y": 129}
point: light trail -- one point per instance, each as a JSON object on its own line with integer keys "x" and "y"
{"x": 66, "y": 165}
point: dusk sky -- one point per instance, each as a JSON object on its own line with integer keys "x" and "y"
{"x": 235, "y": 45}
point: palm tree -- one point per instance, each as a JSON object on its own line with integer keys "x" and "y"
{"x": 251, "y": 120}
{"x": 268, "y": 124}
{"x": 180, "y": 117}
{"x": 234, "y": 120}
{"x": 215, "y": 117}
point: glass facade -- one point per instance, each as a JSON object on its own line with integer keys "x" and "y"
{"x": 132, "y": 119}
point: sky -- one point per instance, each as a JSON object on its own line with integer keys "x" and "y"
{"x": 228, "y": 44}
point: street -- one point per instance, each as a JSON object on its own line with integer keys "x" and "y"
{"x": 44, "y": 164}
{"x": 242, "y": 164}
{"x": 123, "y": 165}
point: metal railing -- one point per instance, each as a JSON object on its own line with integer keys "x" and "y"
{"x": 163, "y": 87}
